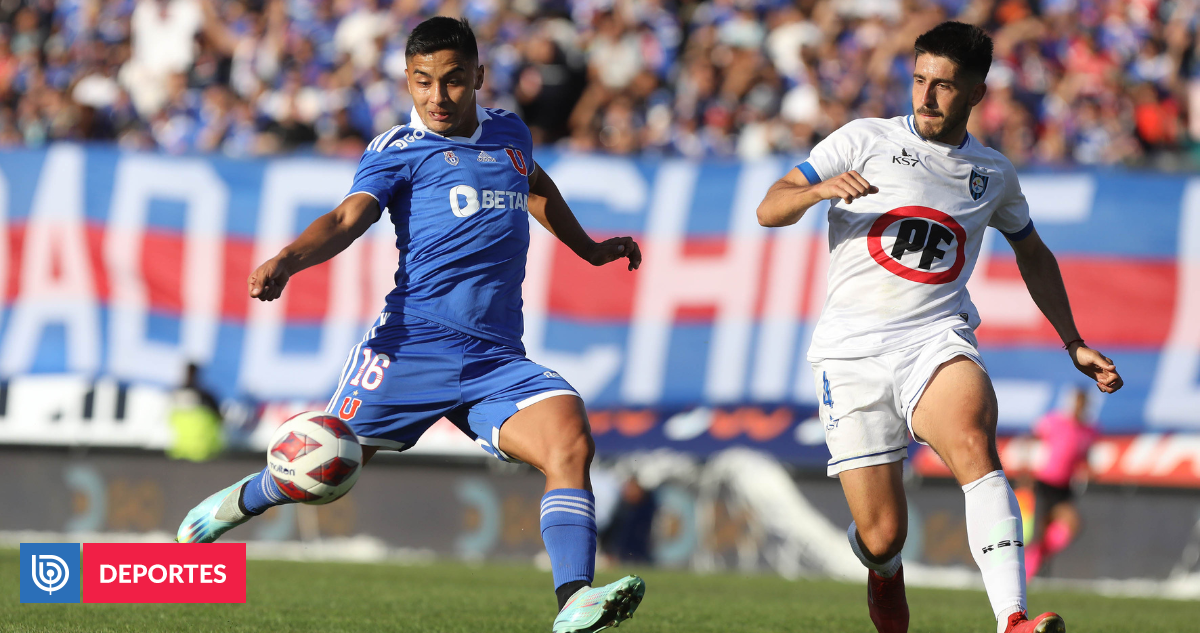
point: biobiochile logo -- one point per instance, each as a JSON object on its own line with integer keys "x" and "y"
{"x": 49, "y": 572}
{"x": 133, "y": 572}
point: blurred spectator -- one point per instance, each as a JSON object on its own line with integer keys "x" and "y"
{"x": 195, "y": 420}
{"x": 1074, "y": 81}
{"x": 628, "y": 536}
{"x": 1066, "y": 438}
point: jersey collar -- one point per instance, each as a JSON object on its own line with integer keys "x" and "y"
{"x": 416, "y": 123}
{"x": 911, "y": 124}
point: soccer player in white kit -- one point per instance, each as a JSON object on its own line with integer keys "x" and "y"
{"x": 894, "y": 351}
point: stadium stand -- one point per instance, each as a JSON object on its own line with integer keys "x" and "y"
{"x": 1075, "y": 81}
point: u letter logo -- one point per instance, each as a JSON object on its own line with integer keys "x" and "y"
{"x": 349, "y": 407}
{"x": 518, "y": 160}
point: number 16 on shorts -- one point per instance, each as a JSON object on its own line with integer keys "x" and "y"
{"x": 369, "y": 376}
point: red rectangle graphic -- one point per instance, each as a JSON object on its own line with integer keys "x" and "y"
{"x": 163, "y": 572}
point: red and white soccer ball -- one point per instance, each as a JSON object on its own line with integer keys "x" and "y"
{"x": 314, "y": 457}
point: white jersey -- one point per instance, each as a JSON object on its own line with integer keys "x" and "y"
{"x": 900, "y": 259}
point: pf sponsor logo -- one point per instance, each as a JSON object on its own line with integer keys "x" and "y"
{"x": 49, "y": 572}
{"x": 919, "y": 244}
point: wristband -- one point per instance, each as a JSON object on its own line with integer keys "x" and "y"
{"x": 1072, "y": 342}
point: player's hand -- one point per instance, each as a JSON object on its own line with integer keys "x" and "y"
{"x": 1098, "y": 367}
{"x": 267, "y": 281}
{"x": 847, "y": 186}
{"x": 613, "y": 249}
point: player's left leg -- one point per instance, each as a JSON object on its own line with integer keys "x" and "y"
{"x": 553, "y": 436}
{"x": 517, "y": 409}
{"x": 956, "y": 415}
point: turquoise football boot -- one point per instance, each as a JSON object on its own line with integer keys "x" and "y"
{"x": 214, "y": 516}
{"x": 596, "y": 609}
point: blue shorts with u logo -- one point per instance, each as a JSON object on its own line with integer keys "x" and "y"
{"x": 407, "y": 373}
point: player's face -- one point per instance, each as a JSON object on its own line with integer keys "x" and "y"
{"x": 943, "y": 98}
{"x": 443, "y": 85}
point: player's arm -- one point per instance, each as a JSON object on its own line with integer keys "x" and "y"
{"x": 327, "y": 236}
{"x": 1042, "y": 277}
{"x": 791, "y": 196}
{"x": 547, "y": 205}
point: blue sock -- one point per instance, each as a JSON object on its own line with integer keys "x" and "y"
{"x": 261, "y": 493}
{"x": 569, "y": 531}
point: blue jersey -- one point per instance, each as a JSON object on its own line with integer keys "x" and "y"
{"x": 460, "y": 208}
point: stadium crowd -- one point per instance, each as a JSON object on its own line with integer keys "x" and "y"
{"x": 1074, "y": 81}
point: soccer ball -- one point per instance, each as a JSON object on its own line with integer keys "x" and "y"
{"x": 314, "y": 458}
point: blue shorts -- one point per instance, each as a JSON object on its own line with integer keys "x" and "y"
{"x": 407, "y": 373}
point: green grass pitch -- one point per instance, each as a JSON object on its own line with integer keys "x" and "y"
{"x": 453, "y": 598}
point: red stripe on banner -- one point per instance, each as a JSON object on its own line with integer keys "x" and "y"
{"x": 582, "y": 291}
{"x": 163, "y": 573}
{"x": 235, "y": 292}
{"x": 1128, "y": 302}
{"x": 162, "y": 268}
{"x": 705, "y": 247}
{"x": 693, "y": 314}
{"x": 1115, "y": 302}
{"x": 308, "y": 294}
{"x": 16, "y": 243}
{"x": 95, "y": 244}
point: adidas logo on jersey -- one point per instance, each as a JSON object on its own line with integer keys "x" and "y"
{"x": 905, "y": 159}
{"x": 484, "y": 157}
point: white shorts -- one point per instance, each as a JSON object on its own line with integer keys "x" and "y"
{"x": 867, "y": 403}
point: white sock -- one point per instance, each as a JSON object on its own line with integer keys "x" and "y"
{"x": 997, "y": 542}
{"x": 887, "y": 569}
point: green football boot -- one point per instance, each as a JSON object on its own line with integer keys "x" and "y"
{"x": 599, "y": 608}
{"x": 214, "y": 516}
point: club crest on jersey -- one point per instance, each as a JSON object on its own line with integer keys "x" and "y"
{"x": 978, "y": 184}
{"x": 450, "y": 157}
{"x": 518, "y": 160}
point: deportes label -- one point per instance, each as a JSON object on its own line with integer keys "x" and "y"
{"x": 164, "y": 572}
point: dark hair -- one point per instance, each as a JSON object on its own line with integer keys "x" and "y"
{"x": 442, "y": 33}
{"x": 967, "y": 45}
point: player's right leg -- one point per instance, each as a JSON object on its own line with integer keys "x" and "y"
{"x": 868, "y": 441}
{"x": 232, "y": 506}
{"x": 395, "y": 384}
{"x": 877, "y": 502}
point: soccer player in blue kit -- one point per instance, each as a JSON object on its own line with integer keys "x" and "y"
{"x": 458, "y": 182}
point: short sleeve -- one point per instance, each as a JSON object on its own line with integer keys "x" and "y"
{"x": 525, "y": 139}
{"x": 837, "y": 153}
{"x": 380, "y": 173}
{"x": 1012, "y": 217}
